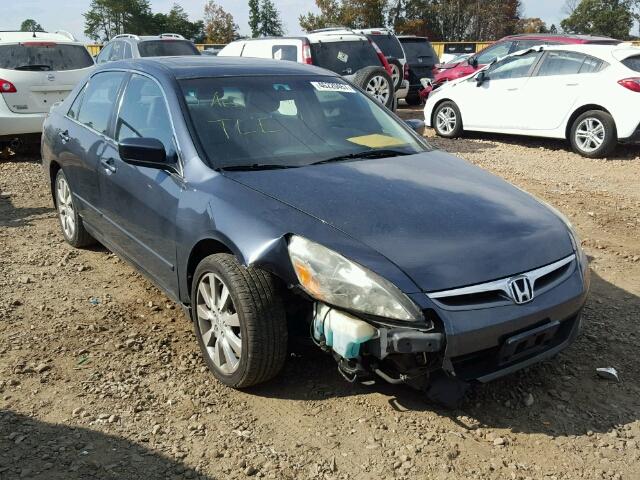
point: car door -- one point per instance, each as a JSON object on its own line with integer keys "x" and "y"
{"x": 496, "y": 103}
{"x": 141, "y": 202}
{"x": 83, "y": 140}
{"x": 555, "y": 87}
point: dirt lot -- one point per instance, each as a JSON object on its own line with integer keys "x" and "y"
{"x": 100, "y": 375}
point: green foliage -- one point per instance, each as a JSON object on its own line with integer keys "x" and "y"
{"x": 254, "y": 17}
{"x": 346, "y": 13}
{"x": 107, "y": 18}
{"x": 30, "y": 25}
{"x": 613, "y": 18}
{"x": 219, "y": 25}
{"x": 264, "y": 19}
{"x": 177, "y": 21}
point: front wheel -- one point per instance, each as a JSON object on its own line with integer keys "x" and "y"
{"x": 447, "y": 121}
{"x": 593, "y": 134}
{"x": 239, "y": 320}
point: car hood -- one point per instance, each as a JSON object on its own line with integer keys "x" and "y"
{"x": 443, "y": 221}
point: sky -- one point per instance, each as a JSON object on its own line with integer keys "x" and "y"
{"x": 67, "y": 14}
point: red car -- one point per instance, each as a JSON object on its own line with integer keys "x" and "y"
{"x": 504, "y": 47}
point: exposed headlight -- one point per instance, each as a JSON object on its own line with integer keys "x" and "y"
{"x": 331, "y": 278}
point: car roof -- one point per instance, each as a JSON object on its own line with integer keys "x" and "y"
{"x": 604, "y": 52}
{"x": 560, "y": 37}
{"x": 16, "y": 37}
{"x": 193, "y": 66}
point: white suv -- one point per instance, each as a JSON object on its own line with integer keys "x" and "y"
{"x": 37, "y": 70}
{"x": 344, "y": 52}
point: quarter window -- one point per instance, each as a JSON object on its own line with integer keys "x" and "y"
{"x": 633, "y": 63}
{"x": 75, "y": 106}
{"x": 285, "y": 52}
{"x": 513, "y": 67}
{"x": 99, "y": 98}
{"x": 144, "y": 113}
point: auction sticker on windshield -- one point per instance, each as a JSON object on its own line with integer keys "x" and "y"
{"x": 332, "y": 87}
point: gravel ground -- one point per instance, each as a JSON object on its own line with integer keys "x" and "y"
{"x": 100, "y": 375}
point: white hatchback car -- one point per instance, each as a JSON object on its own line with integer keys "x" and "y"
{"x": 37, "y": 70}
{"x": 588, "y": 94}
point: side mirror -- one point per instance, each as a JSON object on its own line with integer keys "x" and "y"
{"x": 416, "y": 125}
{"x": 473, "y": 61}
{"x": 481, "y": 78}
{"x": 145, "y": 152}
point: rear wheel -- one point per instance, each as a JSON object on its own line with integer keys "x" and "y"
{"x": 397, "y": 72}
{"x": 378, "y": 85}
{"x": 71, "y": 223}
{"x": 593, "y": 134}
{"x": 239, "y": 321}
{"x": 447, "y": 121}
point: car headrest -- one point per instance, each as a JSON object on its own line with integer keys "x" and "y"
{"x": 264, "y": 102}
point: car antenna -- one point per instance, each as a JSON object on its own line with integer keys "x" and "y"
{"x": 34, "y": 32}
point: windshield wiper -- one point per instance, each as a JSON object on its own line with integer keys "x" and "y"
{"x": 36, "y": 67}
{"x": 255, "y": 166}
{"x": 367, "y": 154}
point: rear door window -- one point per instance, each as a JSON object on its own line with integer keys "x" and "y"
{"x": 344, "y": 58}
{"x": 568, "y": 63}
{"x": 498, "y": 50}
{"x": 127, "y": 51}
{"x": 103, "y": 56}
{"x": 633, "y": 63}
{"x": 99, "y": 98}
{"x": 44, "y": 56}
{"x": 167, "y": 48}
{"x": 285, "y": 52}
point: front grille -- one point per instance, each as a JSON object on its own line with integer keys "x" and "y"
{"x": 497, "y": 292}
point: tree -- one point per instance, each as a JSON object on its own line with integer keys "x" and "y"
{"x": 107, "y": 18}
{"x": 270, "y": 21}
{"x": 613, "y": 18}
{"x": 219, "y": 25}
{"x": 30, "y": 25}
{"x": 346, "y": 13}
{"x": 177, "y": 21}
{"x": 254, "y": 17}
{"x": 532, "y": 25}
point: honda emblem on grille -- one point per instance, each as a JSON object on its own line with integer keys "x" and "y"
{"x": 521, "y": 290}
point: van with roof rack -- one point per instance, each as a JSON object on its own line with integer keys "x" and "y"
{"x": 127, "y": 45}
{"x": 345, "y": 52}
{"x": 37, "y": 71}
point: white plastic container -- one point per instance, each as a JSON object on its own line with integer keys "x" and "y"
{"x": 342, "y": 332}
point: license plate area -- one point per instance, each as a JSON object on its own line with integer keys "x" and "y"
{"x": 528, "y": 343}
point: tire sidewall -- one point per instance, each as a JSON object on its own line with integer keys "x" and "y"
{"x": 458, "y": 127}
{"x": 209, "y": 265}
{"x": 610, "y": 132}
{"x": 76, "y": 217}
{"x": 379, "y": 72}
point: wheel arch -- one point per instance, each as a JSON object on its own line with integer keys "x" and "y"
{"x": 203, "y": 248}
{"x": 54, "y": 167}
{"x": 579, "y": 111}
{"x": 435, "y": 108}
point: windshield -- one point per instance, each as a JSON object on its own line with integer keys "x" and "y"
{"x": 418, "y": 50}
{"x": 289, "y": 122}
{"x": 167, "y": 48}
{"x": 388, "y": 43}
{"x": 44, "y": 56}
{"x": 344, "y": 58}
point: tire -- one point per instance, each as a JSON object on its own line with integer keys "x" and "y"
{"x": 377, "y": 83}
{"x": 593, "y": 134}
{"x": 397, "y": 72}
{"x": 243, "y": 339}
{"x": 447, "y": 121}
{"x": 70, "y": 221}
{"x": 413, "y": 100}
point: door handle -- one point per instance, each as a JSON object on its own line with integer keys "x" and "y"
{"x": 109, "y": 165}
{"x": 512, "y": 89}
{"x": 572, "y": 84}
{"x": 64, "y": 136}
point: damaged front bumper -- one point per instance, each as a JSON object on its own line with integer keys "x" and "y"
{"x": 470, "y": 344}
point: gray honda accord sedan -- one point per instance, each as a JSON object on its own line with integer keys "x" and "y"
{"x": 264, "y": 195}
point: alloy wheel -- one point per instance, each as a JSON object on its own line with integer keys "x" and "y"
{"x": 446, "y": 120}
{"x": 65, "y": 207}
{"x": 590, "y": 135}
{"x": 218, "y": 323}
{"x": 395, "y": 74}
{"x": 378, "y": 88}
